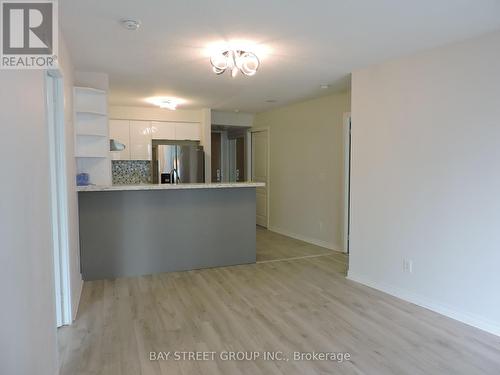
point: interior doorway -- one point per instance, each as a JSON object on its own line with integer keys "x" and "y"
{"x": 59, "y": 195}
{"x": 237, "y": 159}
{"x": 229, "y": 148}
{"x": 216, "y": 157}
{"x": 260, "y": 165}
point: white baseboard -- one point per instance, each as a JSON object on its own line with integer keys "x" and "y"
{"x": 312, "y": 241}
{"x": 462, "y": 316}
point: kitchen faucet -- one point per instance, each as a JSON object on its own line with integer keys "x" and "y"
{"x": 174, "y": 176}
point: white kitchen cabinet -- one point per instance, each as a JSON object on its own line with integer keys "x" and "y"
{"x": 119, "y": 130}
{"x": 163, "y": 130}
{"x": 137, "y": 136}
{"x": 187, "y": 131}
{"x": 140, "y": 140}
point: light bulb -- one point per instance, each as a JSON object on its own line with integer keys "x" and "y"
{"x": 219, "y": 63}
{"x": 249, "y": 64}
{"x": 234, "y": 61}
{"x": 169, "y": 105}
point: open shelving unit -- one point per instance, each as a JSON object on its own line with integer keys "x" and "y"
{"x": 92, "y": 134}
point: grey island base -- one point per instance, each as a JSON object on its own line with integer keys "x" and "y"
{"x": 132, "y": 231}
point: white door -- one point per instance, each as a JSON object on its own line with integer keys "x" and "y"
{"x": 140, "y": 140}
{"x": 260, "y": 173}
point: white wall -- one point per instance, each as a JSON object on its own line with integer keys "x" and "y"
{"x": 67, "y": 70}
{"x": 93, "y": 80}
{"x": 426, "y": 179}
{"x": 28, "y": 343}
{"x": 306, "y": 176}
{"x": 27, "y": 313}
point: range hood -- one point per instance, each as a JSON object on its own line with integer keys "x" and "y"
{"x": 116, "y": 146}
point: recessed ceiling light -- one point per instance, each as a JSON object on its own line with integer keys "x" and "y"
{"x": 324, "y": 86}
{"x": 166, "y": 102}
{"x": 130, "y": 24}
{"x": 271, "y": 101}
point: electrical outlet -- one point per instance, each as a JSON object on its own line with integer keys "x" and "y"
{"x": 408, "y": 265}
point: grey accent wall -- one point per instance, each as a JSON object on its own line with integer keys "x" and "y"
{"x": 130, "y": 233}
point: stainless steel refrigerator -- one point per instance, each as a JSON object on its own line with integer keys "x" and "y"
{"x": 178, "y": 162}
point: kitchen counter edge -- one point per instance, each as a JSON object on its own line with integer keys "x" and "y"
{"x": 169, "y": 186}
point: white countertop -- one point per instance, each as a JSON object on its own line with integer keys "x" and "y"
{"x": 171, "y": 186}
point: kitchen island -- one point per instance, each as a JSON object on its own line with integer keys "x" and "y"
{"x": 132, "y": 230}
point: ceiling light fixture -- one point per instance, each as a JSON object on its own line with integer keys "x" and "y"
{"x": 130, "y": 24}
{"x": 166, "y": 102}
{"x": 324, "y": 86}
{"x": 235, "y": 61}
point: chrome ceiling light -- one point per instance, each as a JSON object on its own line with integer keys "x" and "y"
{"x": 235, "y": 61}
{"x": 130, "y": 24}
{"x": 168, "y": 104}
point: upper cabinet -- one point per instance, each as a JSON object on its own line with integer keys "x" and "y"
{"x": 187, "y": 131}
{"x": 137, "y": 136}
{"x": 140, "y": 140}
{"x": 163, "y": 130}
{"x": 176, "y": 131}
{"x": 119, "y": 130}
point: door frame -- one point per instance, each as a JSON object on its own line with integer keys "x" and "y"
{"x": 54, "y": 94}
{"x": 249, "y": 164}
{"x": 231, "y": 158}
{"x": 224, "y": 149}
{"x": 347, "y": 132}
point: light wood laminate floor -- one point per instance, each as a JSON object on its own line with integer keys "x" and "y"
{"x": 273, "y": 246}
{"x": 302, "y": 305}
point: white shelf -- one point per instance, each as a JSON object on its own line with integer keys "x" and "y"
{"x": 92, "y": 134}
{"x": 94, "y": 113}
{"x": 91, "y": 157}
{"x": 98, "y": 168}
{"x": 90, "y": 90}
{"x": 87, "y": 124}
{"x": 91, "y": 145}
{"x": 91, "y": 101}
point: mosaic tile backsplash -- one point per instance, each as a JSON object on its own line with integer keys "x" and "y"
{"x": 130, "y": 172}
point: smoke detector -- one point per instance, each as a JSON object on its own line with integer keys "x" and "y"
{"x": 130, "y": 24}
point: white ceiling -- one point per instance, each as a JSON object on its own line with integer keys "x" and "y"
{"x": 310, "y": 42}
